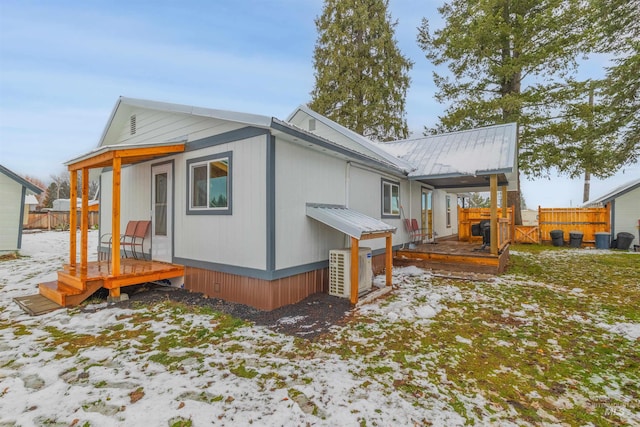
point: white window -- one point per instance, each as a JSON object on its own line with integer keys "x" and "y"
{"x": 390, "y": 199}
{"x": 448, "y": 211}
{"x": 210, "y": 185}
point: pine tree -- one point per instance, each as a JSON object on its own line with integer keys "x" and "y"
{"x": 618, "y": 27}
{"x": 361, "y": 77}
{"x": 510, "y": 61}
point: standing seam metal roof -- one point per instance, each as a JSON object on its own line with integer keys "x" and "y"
{"x": 348, "y": 221}
{"x": 472, "y": 152}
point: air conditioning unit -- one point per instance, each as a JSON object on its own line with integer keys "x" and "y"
{"x": 340, "y": 272}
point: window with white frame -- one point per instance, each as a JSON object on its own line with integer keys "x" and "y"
{"x": 448, "y": 211}
{"x": 209, "y": 184}
{"x": 390, "y": 199}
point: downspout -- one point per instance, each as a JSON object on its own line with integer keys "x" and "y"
{"x": 347, "y": 195}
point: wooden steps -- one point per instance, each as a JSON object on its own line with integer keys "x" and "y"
{"x": 66, "y": 295}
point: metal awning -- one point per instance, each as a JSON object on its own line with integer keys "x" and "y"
{"x": 348, "y": 221}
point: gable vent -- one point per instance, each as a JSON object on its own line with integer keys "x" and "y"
{"x": 132, "y": 123}
{"x": 312, "y": 124}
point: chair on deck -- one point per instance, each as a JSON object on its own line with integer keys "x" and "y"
{"x": 410, "y": 230}
{"x": 133, "y": 237}
{"x": 136, "y": 239}
{"x": 417, "y": 231}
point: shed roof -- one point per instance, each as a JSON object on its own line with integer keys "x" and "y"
{"x": 348, "y": 221}
{"x": 20, "y": 180}
{"x": 615, "y": 193}
{"x": 460, "y": 159}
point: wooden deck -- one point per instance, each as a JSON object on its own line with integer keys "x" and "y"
{"x": 74, "y": 285}
{"x": 453, "y": 255}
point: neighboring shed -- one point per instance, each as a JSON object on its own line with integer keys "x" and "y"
{"x": 13, "y": 192}
{"x": 624, "y": 202}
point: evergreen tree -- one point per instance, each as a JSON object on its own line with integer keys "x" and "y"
{"x": 510, "y": 61}
{"x": 361, "y": 77}
{"x": 618, "y": 28}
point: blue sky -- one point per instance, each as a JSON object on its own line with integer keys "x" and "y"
{"x": 63, "y": 65}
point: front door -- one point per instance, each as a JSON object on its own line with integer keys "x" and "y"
{"x": 427, "y": 213}
{"x": 161, "y": 213}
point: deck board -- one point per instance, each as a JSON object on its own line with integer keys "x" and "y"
{"x": 36, "y": 305}
{"x": 453, "y": 255}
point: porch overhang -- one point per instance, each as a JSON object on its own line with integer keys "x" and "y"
{"x": 127, "y": 153}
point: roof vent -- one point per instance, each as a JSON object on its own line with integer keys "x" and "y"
{"x": 132, "y": 123}
{"x": 312, "y": 124}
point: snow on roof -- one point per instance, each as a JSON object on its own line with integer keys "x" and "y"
{"x": 30, "y": 199}
{"x": 616, "y": 192}
{"x": 481, "y": 151}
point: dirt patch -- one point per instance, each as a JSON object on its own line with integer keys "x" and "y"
{"x": 309, "y": 318}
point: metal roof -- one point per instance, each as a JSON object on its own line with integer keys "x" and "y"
{"x": 615, "y": 193}
{"x": 353, "y": 141}
{"x": 472, "y": 153}
{"x": 348, "y": 221}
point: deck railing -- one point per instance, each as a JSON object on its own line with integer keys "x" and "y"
{"x": 469, "y": 216}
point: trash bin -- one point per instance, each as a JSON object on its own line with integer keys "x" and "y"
{"x": 557, "y": 237}
{"x": 575, "y": 239}
{"x": 602, "y": 240}
{"x": 624, "y": 240}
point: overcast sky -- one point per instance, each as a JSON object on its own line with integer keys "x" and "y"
{"x": 63, "y": 65}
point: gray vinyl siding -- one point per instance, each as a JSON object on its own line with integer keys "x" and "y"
{"x": 627, "y": 213}
{"x": 305, "y": 176}
{"x": 10, "y": 209}
{"x": 238, "y": 239}
{"x": 365, "y": 196}
{"x": 160, "y": 126}
{"x": 135, "y": 200}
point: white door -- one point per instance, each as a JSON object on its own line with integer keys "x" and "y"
{"x": 161, "y": 213}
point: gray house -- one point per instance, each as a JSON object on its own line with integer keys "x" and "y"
{"x": 13, "y": 192}
{"x": 252, "y": 205}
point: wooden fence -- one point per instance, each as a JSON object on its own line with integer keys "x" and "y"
{"x": 585, "y": 220}
{"x": 55, "y": 220}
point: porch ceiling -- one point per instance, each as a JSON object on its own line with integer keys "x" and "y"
{"x": 128, "y": 154}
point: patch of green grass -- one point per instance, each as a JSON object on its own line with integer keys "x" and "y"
{"x": 243, "y": 372}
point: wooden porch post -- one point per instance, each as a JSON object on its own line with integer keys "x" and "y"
{"x": 115, "y": 218}
{"x": 504, "y": 201}
{"x": 494, "y": 214}
{"x": 73, "y": 218}
{"x": 388, "y": 264}
{"x": 355, "y": 274}
{"x": 84, "y": 223}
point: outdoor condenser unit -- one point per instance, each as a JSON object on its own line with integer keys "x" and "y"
{"x": 340, "y": 272}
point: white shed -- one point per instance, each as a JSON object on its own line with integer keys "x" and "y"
{"x": 624, "y": 204}
{"x": 13, "y": 192}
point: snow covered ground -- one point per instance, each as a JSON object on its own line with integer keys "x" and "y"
{"x": 167, "y": 365}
